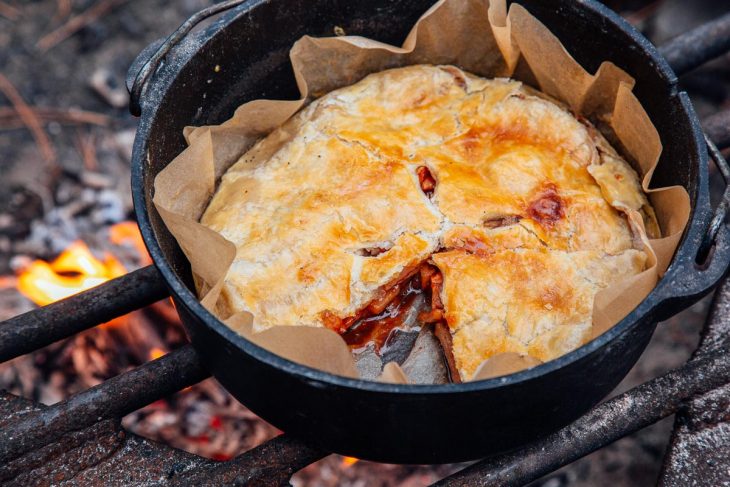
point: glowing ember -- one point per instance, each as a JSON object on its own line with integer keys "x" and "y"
{"x": 8, "y": 282}
{"x": 348, "y": 462}
{"x": 75, "y": 270}
{"x": 156, "y": 353}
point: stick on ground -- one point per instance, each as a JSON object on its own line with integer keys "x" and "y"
{"x": 9, "y": 118}
{"x": 9, "y": 12}
{"x": 29, "y": 117}
{"x": 76, "y": 23}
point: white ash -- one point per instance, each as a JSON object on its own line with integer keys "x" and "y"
{"x": 96, "y": 180}
{"x": 84, "y": 207}
{"x": 110, "y": 208}
{"x": 103, "y": 82}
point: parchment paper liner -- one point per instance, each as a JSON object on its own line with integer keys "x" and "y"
{"x": 478, "y": 37}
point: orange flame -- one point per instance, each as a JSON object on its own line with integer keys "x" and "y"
{"x": 348, "y": 462}
{"x": 127, "y": 233}
{"x": 75, "y": 270}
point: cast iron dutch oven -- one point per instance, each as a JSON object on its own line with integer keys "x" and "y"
{"x": 387, "y": 422}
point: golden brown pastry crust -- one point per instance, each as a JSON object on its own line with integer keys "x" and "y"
{"x": 535, "y": 302}
{"x": 327, "y": 210}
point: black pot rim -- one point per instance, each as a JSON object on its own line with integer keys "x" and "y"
{"x": 185, "y": 296}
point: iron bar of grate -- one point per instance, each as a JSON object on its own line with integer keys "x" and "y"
{"x": 602, "y": 425}
{"x": 694, "y": 48}
{"x": 717, "y": 128}
{"x": 114, "y": 398}
{"x": 269, "y": 465}
{"x": 105, "y": 451}
{"x": 98, "y": 455}
{"x": 699, "y": 450}
{"x": 62, "y": 319}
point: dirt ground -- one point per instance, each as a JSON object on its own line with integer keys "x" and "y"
{"x": 69, "y": 67}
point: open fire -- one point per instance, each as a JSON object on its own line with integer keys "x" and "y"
{"x": 74, "y": 270}
{"x": 77, "y": 269}
{"x": 203, "y": 419}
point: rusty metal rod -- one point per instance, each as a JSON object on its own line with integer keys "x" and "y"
{"x": 691, "y": 49}
{"x": 43, "y": 326}
{"x": 268, "y": 465}
{"x": 602, "y": 425}
{"x": 114, "y": 398}
{"x": 706, "y": 418}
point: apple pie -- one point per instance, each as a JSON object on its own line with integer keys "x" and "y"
{"x": 507, "y": 211}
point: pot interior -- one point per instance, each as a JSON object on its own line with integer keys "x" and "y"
{"x": 250, "y": 48}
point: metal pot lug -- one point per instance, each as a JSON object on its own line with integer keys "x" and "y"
{"x": 137, "y": 77}
{"x": 142, "y": 58}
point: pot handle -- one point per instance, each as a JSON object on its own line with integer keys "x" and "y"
{"x": 693, "y": 279}
{"x": 136, "y": 82}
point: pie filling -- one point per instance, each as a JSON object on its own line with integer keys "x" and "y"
{"x": 375, "y": 322}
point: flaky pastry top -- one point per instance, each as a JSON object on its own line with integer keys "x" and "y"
{"x": 527, "y": 219}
